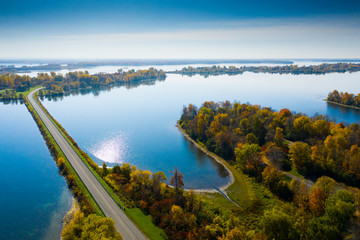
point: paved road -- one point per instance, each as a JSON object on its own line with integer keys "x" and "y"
{"x": 123, "y": 224}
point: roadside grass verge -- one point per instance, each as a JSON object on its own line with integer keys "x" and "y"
{"x": 143, "y": 221}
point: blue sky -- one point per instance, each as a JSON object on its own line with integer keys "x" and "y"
{"x": 179, "y": 29}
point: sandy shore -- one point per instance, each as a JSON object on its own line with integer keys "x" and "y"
{"x": 70, "y": 214}
{"x": 213, "y": 156}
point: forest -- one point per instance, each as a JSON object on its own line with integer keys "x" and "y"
{"x": 348, "y": 99}
{"x": 58, "y": 84}
{"x": 288, "y": 69}
{"x": 265, "y": 145}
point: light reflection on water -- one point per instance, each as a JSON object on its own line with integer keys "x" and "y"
{"x": 114, "y": 148}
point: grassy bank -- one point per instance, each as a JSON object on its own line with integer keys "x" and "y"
{"x": 143, "y": 221}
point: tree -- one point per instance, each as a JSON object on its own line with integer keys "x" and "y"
{"x": 302, "y": 128}
{"x": 279, "y": 137}
{"x": 317, "y": 202}
{"x": 92, "y": 227}
{"x": 299, "y": 154}
{"x": 248, "y": 156}
{"x": 252, "y": 139}
{"x": 273, "y": 179}
{"x": 176, "y": 180}
{"x": 326, "y": 184}
{"x": 278, "y": 225}
{"x": 277, "y": 157}
{"x": 104, "y": 171}
{"x": 285, "y": 112}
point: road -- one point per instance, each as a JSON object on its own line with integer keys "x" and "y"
{"x": 107, "y": 205}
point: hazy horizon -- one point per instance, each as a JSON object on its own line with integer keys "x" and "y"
{"x": 179, "y": 29}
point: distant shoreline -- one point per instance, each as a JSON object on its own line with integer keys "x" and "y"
{"x": 343, "y": 105}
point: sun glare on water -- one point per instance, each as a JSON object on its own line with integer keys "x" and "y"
{"x": 112, "y": 148}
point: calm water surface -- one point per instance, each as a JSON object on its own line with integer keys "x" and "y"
{"x": 33, "y": 196}
{"x": 137, "y": 125}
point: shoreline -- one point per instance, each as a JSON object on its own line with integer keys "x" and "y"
{"x": 213, "y": 156}
{"x": 70, "y": 214}
{"x": 343, "y": 105}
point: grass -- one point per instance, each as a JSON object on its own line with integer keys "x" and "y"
{"x": 25, "y": 93}
{"x": 28, "y": 91}
{"x": 241, "y": 190}
{"x": 136, "y": 215}
{"x": 252, "y": 197}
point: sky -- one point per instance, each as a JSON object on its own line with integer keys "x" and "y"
{"x": 174, "y": 29}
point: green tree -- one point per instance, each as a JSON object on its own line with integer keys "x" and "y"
{"x": 299, "y": 154}
{"x": 278, "y": 225}
{"x": 104, "y": 171}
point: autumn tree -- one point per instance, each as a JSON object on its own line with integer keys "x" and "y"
{"x": 299, "y": 154}
{"x": 92, "y": 227}
{"x": 317, "y": 202}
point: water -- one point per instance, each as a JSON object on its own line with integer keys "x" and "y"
{"x": 33, "y": 196}
{"x": 137, "y": 125}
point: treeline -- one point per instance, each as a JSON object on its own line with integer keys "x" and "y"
{"x": 47, "y": 67}
{"x": 346, "y": 98}
{"x": 16, "y": 82}
{"x": 255, "y": 139}
{"x": 58, "y": 84}
{"x": 86, "y": 223}
{"x": 288, "y": 69}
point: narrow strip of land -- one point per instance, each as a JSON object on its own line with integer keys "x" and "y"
{"x": 107, "y": 205}
{"x": 343, "y": 105}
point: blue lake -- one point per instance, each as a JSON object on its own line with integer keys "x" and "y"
{"x": 136, "y": 125}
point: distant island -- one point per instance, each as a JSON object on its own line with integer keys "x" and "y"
{"x": 344, "y": 99}
{"x": 58, "y": 84}
{"x": 288, "y": 69}
{"x": 58, "y": 65}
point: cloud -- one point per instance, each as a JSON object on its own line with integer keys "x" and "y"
{"x": 272, "y": 30}
{"x": 261, "y": 38}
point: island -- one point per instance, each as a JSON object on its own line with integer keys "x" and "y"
{"x": 287, "y": 69}
{"x": 344, "y": 99}
{"x": 11, "y": 85}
